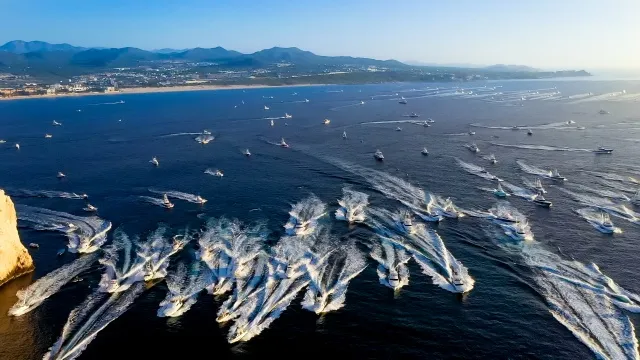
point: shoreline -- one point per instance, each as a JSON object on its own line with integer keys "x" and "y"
{"x": 150, "y": 90}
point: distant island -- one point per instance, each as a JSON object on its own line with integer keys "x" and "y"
{"x": 40, "y": 68}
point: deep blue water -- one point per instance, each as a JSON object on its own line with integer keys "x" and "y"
{"x": 504, "y": 316}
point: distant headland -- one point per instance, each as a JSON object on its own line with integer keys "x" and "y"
{"x": 40, "y": 68}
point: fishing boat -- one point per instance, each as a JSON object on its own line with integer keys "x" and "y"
{"x": 344, "y": 134}
{"x": 165, "y": 202}
{"x": 283, "y": 143}
{"x": 326, "y": 121}
{"x": 48, "y": 136}
{"x": 246, "y": 152}
{"x": 378, "y": 155}
{"x": 403, "y": 101}
{"x": 154, "y": 161}
{"x": 603, "y": 150}
{"x": 424, "y": 151}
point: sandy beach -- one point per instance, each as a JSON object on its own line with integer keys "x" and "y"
{"x": 145, "y": 90}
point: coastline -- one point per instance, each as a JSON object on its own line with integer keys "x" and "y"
{"x": 149, "y": 90}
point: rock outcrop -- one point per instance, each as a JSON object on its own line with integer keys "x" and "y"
{"x": 14, "y": 257}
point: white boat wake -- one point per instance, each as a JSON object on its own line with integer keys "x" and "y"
{"x": 614, "y": 177}
{"x": 392, "y": 263}
{"x": 618, "y": 210}
{"x": 604, "y": 193}
{"x": 596, "y": 219}
{"x": 352, "y": 206}
{"x": 520, "y": 192}
{"x": 48, "y": 194}
{"x": 183, "y": 289}
{"x": 153, "y": 201}
{"x": 85, "y": 234}
{"x": 541, "y": 147}
{"x": 179, "y": 195}
{"x": 477, "y": 170}
{"x": 33, "y": 295}
{"x": 533, "y": 170}
{"x": 304, "y": 216}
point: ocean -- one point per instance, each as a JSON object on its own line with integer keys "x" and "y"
{"x": 532, "y": 299}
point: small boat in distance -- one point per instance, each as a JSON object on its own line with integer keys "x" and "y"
{"x": 603, "y": 150}
{"x": 499, "y": 192}
{"x": 425, "y": 124}
{"x": 55, "y": 123}
{"x": 48, "y": 136}
{"x": 246, "y": 152}
{"x": 206, "y": 132}
{"x": 541, "y": 201}
{"x": 492, "y": 159}
{"x": 603, "y": 112}
{"x": 403, "y": 101}
{"x": 326, "y": 121}
{"x": 283, "y": 143}
{"x": 555, "y": 175}
{"x": 529, "y": 132}
{"x": 378, "y": 155}
{"x": 344, "y": 134}
{"x": 272, "y": 123}
{"x": 473, "y": 147}
{"x": 17, "y": 146}
{"x": 165, "y": 202}
{"x": 200, "y": 200}
{"x": 472, "y": 133}
{"x": 287, "y": 116}
{"x": 398, "y": 128}
{"x": 413, "y": 115}
{"x": 424, "y": 151}
{"x": 90, "y": 208}
{"x": 154, "y": 161}
{"x": 361, "y": 102}
{"x": 266, "y": 107}
{"x": 306, "y": 100}
{"x": 60, "y": 175}
{"x": 2, "y": 141}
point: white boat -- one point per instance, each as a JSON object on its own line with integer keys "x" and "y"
{"x": 344, "y": 134}
{"x": 406, "y": 222}
{"x": 537, "y": 186}
{"x": 518, "y": 231}
{"x": 555, "y": 175}
{"x": 603, "y": 112}
{"x": 603, "y": 224}
{"x": 326, "y": 121}
{"x": 3, "y": 141}
{"x": 541, "y": 201}
{"x": 55, "y": 123}
{"x": 154, "y": 161}
{"x": 603, "y": 150}
{"x": 361, "y": 102}
{"x": 378, "y": 155}
{"x": 458, "y": 282}
{"x": 48, "y": 136}
{"x": 266, "y": 107}
{"x": 272, "y": 123}
{"x": 503, "y": 216}
{"x": 529, "y": 132}
{"x": 294, "y": 94}
{"x": 425, "y": 124}
{"x": 472, "y": 147}
{"x": 200, "y": 200}
{"x": 287, "y": 116}
{"x": 306, "y": 100}
{"x": 206, "y": 132}
{"x": 403, "y": 101}
{"x": 472, "y": 133}
{"x": 17, "y": 146}
{"x": 413, "y": 115}
{"x": 218, "y": 173}
{"x": 90, "y": 208}
{"x": 165, "y": 202}
{"x": 246, "y": 152}
{"x": 60, "y": 175}
{"x": 430, "y": 121}
{"x": 283, "y": 143}
{"x": 499, "y": 192}
{"x": 398, "y": 128}
{"x": 424, "y": 151}
{"x": 492, "y": 159}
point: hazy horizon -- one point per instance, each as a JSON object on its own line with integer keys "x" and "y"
{"x": 545, "y": 34}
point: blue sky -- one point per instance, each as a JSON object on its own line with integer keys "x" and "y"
{"x": 543, "y": 33}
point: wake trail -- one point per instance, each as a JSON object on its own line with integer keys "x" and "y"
{"x": 352, "y": 206}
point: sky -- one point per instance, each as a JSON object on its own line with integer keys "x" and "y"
{"x": 547, "y": 34}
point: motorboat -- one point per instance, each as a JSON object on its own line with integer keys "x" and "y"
{"x": 306, "y": 100}
{"x": 246, "y": 152}
{"x": 154, "y": 161}
{"x": 398, "y": 128}
{"x": 165, "y": 202}
{"x": 2, "y": 141}
{"x": 570, "y": 122}
{"x": 518, "y": 230}
{"x": 48, "y": 136}
{"x": 413, "y": 115}
{"x": 272, "y": 123}
{"x": 499, "y": 192}
{"x": 603, "y": 112}
{"x": 206, "y": 132}
{"x": 603, "y": 150}
{"x": 537, "y": 186}
{"x": 218, "y": 173}
{"x": 361, "y": 102}
{"x": 492, "y": 159}
{"x": 503, "y": 216}
{"x": 60, "y": 175}
{"x": 403, "y": 101}
{"x": 472, "y": 147}
{"x": 84, "y": 196}
{"x": 430, "y": 121}
{"x": 326, "y": 121}
{"x": 529, "y": 132}
{"x": 90, "y": 208}
{"x": 378, "y": 155}
{"x": 457, "y": 281}
{"x": 472, "y": 133}
{"x": 425, "y": 124}
{"x": 424, "y": 151}
{"x": 204, "y": 139}
{"x": 34, "y": 246}
{"x": 55, "y": 123}
{"x": 266, "y": 107}
{"x": 394, "y": 280}
{"x": 344, "y": 134}
{"x": 555, "y": 175}
{"x": 287, "y": 116}
{"x": 17, "y": 146}
{"x": 200, "y": 200}
{"x": 603, "y": 224}
{"x": 541, "y": 201}
{"x": 283, "y": 144}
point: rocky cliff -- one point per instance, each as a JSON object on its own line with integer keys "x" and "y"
{"x": 14, "y": 257}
